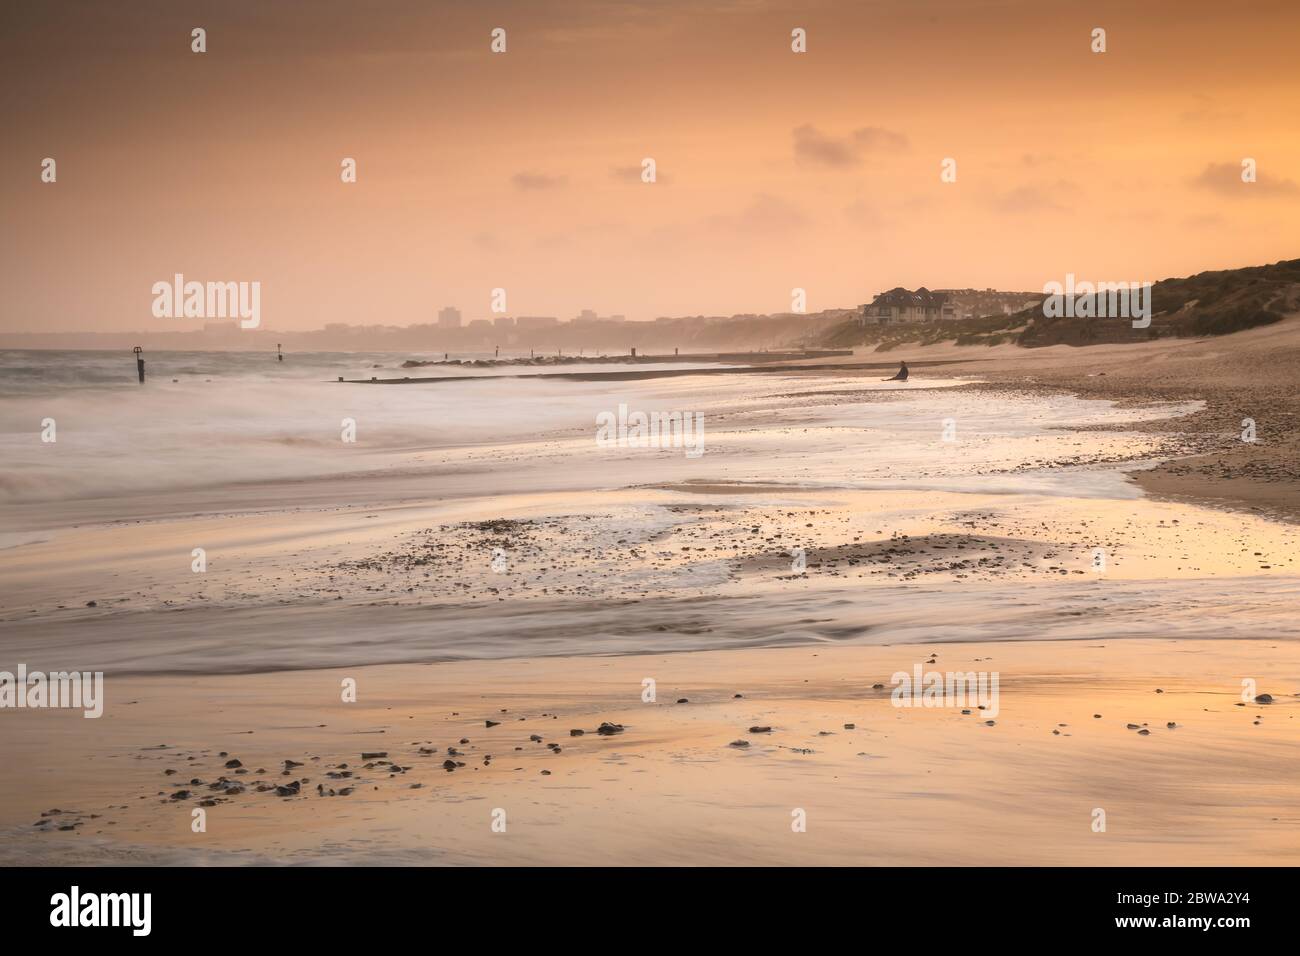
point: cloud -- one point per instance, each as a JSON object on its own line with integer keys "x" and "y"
{"x": 1207, "y": 112}
{"x": 813, "y": 147}
{"x": 861, "y": 213}
{"x": 632, "y": 174}
{"x": 765, "y": 214}
{"x": 1225, "y": 179}
{"x": 1026, "y": 199}
{"x": 877, "y": 138}
{"x": 535, "y": 181}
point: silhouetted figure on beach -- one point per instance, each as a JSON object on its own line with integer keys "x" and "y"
{"x": 900, "y": 377}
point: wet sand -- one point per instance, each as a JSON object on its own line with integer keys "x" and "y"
{"x": 920, "y": 786}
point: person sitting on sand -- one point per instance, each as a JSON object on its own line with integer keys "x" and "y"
{"x": 901, "y": 376}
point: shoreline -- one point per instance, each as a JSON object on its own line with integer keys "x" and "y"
{"x": 686, "y": 578}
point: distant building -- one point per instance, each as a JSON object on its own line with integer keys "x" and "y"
{"x": 480, "y": 324}
{"x": 536, "y": 322}
{"x": 589, "y": 315}
{"x": 899, "y": 306}
{"x": 449, "y": 318}
{"x": 221, "y": 331}
{"x": 974, "y": 303}
{"x": 503, "y": 322}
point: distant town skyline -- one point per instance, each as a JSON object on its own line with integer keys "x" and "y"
{"x": 524, "y": 171}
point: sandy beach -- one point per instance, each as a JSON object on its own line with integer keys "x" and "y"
{"x": 516, "y": 574}
{"x": 1210, "y": 784}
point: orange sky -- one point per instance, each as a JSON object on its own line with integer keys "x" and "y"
{"x": 519, "y": 170}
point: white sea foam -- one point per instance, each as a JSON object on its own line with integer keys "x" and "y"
{"x": 229, "y": 419}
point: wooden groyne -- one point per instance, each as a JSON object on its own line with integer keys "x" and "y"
{"x": 634, "y": 374}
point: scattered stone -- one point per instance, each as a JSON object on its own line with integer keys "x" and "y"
{"x": 232, "y": 764}
{"x": 576, "y": 732}
{"x": 373, "y": 755}
{"x": 760, "y": 730}
{"x": 607, "y": 729}
{"x": 739, "y": 743}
